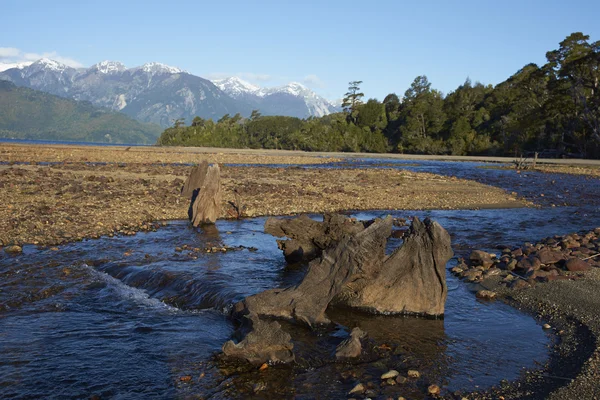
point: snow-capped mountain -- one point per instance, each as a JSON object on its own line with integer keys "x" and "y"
{"x": 293, "y": 99}
{"x": 5, "y": 66}
{"x": 152, "y": 92}
{"x": 108, "y": 67}
{"x": 160, "y": 93}
{"x": 235, "y": 87}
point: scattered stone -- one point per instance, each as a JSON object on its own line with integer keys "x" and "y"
{"x": 185, "y": 378}
{"x": 457, "y": 270}
{"x": 481, "y": 258}
{"x": 519, "y": 284}
{"x": 547, "y": 256}
{"x": 486, "y": 294}
{"x": 401, "y": 379}
{"x": 266, "y": 342}
{"x": 358, "y": 389}
{"x": 351, "y": 347}
{"x": 413, "y": 373}
{"x": 433, "y": 390}
{"x": 576, "y": 265}
{"x": 14, "y": 249}
{"x": 546, "y": 326}
{"x": 472, "y": 275}
{"x": 391, "y": 374}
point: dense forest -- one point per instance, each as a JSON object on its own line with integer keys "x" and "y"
{"x": 31, "y": 114}
{"x": 553, "y": 109}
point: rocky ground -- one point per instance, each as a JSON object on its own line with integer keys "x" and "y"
{"x": 50, "y": 204}
{"x": 11, "y": 152}
{"x": 557, "y": 279}
{"x": 570, "y": 169}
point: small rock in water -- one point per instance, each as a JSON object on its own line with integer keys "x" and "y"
{"x": 546, "y": 326}
{"x": 413, "y": 373}
{"x": 391, "y": 374}
{"x": 13, "y": 249}
{"x": 185, "y": 378}
{"x": 401, "y": 379}
{"x": 433, "y": 390}
{"x": 485, "y": 294}
{"x": 360, "y": 388}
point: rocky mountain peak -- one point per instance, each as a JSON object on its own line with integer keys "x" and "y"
{"x": 235, "y": 86}
{"x": 48, "y": 64}
{"x": 159, "y": 68}
{"x": 108, "y": 67}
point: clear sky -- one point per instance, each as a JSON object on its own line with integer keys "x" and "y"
{"x": 323, "y": 44}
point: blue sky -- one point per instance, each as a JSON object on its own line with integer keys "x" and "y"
{"x": 323, "y": 44}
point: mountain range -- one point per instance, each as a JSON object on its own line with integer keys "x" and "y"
{"x": 32, "y": 114}
{"x": 160, "y": 94}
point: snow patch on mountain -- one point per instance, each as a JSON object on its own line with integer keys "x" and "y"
{"x": 21, "y": 65}
{"x": 316, "y": 105}
{"x": 51, "y": 65}
{"x": 236, "y": 87}
{"x": 108, "y": 67}
{"x": 159, "y": 68}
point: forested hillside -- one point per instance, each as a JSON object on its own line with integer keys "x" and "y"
{"x": 553, "y": 109}
{"x": 31, "y": 114}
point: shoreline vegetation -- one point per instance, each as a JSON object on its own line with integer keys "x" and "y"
{"x": 58, "y": 194}
{"x": 552, "y": 109}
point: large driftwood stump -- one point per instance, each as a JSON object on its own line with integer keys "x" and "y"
{"x": 204, "y": 187}
{"x": 354, "y": 272}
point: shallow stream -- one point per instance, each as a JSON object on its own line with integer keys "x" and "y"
{"x": 134, "y": 316}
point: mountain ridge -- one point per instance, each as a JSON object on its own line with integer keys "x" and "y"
{"x": 161, "y": 94}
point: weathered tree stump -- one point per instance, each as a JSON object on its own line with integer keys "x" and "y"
{"x": 354, "y": 272}
{"x": 203, "y": 186}
{"x": 195, "y": 180}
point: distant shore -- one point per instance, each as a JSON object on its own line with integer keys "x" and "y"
{"x": 291, "y": 155}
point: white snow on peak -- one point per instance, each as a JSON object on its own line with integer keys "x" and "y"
{"x": 108, "y": 67}
{"x": 50, "y": 64}
{"x": 316, "y": 105}
{"x": 159, "y": 68}
{"x": 295, "y": 89}
{"x": 5, "y": 66}
{"x": 235, "y": 86}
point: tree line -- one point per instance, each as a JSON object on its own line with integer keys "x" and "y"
{"x": 553, "y": 109}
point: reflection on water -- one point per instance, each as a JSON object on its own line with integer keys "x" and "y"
{"x": 130, "y": 316}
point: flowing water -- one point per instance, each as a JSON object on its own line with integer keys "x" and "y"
{"x": 134, "y": 316}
